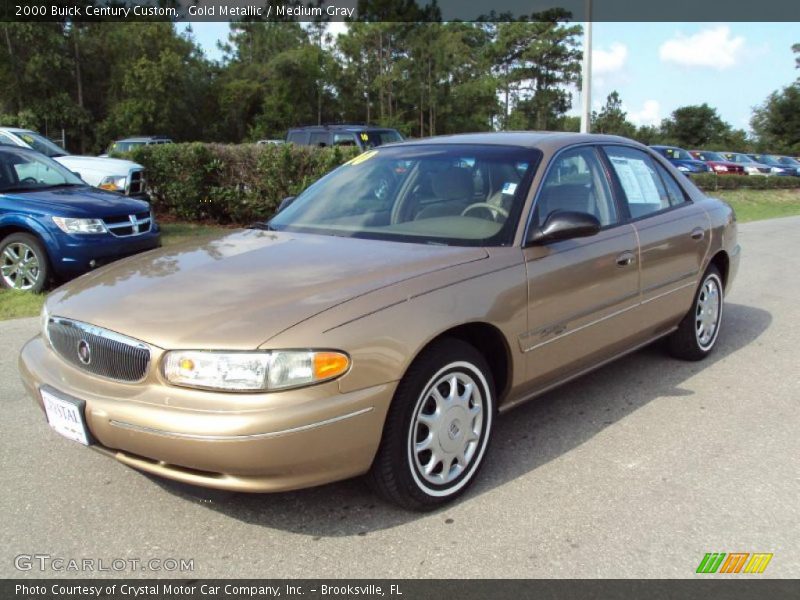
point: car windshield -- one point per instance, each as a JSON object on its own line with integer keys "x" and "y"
{"x": 713, "y": 156}
{"x": 676, "y": 154}
{"x": 788, "y": 161}
{"x": 442, "y": 194}
{"x": 23, "y": 171}
{"x": 766, "y": 159}
{"x": 371, "y": 139}
{"x": 739, "y": 158}
{"x": 124, "y": 146}
{"x": 42, "y": 144}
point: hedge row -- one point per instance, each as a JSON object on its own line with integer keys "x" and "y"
{"x": 231, "y": 183}
{"x": 710, "y": 182}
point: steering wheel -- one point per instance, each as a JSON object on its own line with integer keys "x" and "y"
{"x": 29, "y": 180}
{"x": 493, "y": 209}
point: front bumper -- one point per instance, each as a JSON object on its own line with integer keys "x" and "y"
{"x": 81, "y": 253}
{"x": 262, "y": 443}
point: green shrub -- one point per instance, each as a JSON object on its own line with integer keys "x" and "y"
{"x": 231, "y": 183}
{"x": 709, "y": 182}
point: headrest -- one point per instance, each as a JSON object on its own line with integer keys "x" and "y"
{"x": 454, "y": 183}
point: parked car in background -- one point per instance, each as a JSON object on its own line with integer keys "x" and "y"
{"x": 374, "y": 329}
{"x": 54, "y": 225}
{"x": 777, "y": 167}
{"x": 362, "y": 136}
{"x": 718, "y": 164}
{"x": 682, "y": 160}
{"x": 112, "y": 174}
{"x": 270, "y": 142}
{"x": 751, "y": 167}
{"x": 130, "y": 143}
{"x": 788, "y": 161}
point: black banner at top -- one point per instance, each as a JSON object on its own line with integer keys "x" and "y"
{"x": 400, "y": 10}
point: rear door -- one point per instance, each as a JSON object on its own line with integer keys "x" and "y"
{"x": 581, "y": 292}
{"x": 673, "y": 233}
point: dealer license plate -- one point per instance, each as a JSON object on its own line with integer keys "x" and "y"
{"x": 65, "y": 415}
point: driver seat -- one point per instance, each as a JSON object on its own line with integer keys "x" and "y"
{"x": 453, "y": 189}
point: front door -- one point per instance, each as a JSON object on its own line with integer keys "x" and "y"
{"x": 581, "y": 291}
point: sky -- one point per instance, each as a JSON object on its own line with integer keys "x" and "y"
{"x": 657, "y": 67}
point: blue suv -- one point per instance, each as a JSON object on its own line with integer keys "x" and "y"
{"x": 55, "y": 226}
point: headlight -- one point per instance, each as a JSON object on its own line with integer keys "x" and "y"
{"x": 776, "y": 170}
{"x": 114, "y": 183}
{"x": 751, "y": 169}
{"x": 721, "y": 168}
{"x": 683, "y": 168}
{"x": 252, "y": 371}
{"x": 68, "y": 225}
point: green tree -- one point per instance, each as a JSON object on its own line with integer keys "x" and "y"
{"x": 534, "y": 62}
{"x": 612, "y": 119}
{"x": 776, "y": 123}
{"x": 695, "y": 126}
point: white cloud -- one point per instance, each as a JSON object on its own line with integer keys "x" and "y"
{"x": 609, "y": 61}
{"x": 649, "y": 115}
{"x": 714, "y": 47}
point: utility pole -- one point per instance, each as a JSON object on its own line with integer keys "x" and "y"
{"x": 586, "y": 75}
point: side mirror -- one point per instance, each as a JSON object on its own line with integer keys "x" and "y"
{"x": 285, "y": 203}
{"x": 564, "y": 225}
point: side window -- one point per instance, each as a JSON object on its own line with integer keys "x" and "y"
{"x": 644, "y": 190}
{"x": 675, "y": 192}
{"x": 344, "y": 139}
{"x": 319, "y": 138}
{"x": 298, "y": 137}
{"x": 577, "y": 182}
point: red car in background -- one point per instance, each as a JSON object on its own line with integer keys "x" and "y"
{"x": 717, "y": 162}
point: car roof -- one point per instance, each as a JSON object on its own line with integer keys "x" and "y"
{"x": 143, "y": 138}
{"x": 16, "y": 130}
{"x": 543, "y": 140}
{"x": 341, "y": 126}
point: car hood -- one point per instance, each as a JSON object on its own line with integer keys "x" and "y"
{"x": 240, "y": 290}
{"x": 111, "y": 166}
{"x": 83, "y": 201}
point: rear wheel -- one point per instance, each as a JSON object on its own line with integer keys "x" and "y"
{"x": 697, "y": 334}
{"x": 437, "y": 429}
{"x": 23, "y": 263}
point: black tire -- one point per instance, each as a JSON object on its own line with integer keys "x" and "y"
{"x": 23, "y": 275}
{"x": 694, "y": 340}
{"x": 398, "y": 473}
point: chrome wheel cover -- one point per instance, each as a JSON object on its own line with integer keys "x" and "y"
{"x": 708, "y": 312}
{"x": 449, "y": 429}
{"x": 19, "y": 266}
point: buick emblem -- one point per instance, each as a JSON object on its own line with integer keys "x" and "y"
{"x": 84, "y": 352}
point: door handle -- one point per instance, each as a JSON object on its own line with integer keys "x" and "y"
{"x": 698, "y": 234}
{"x": 625, "y": 259}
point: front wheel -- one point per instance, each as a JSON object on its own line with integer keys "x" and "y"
{"x": 698, "y": 332}
{"x": 23, "y": 263}
{"x": 438, "y": 428}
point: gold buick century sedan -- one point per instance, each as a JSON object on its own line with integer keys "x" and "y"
{"x": 381, "y": 320}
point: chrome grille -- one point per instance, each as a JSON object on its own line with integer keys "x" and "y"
{"x": 109, "y": 354}
{"x": 135, "y": 183}
{"x": 128, "y": 225}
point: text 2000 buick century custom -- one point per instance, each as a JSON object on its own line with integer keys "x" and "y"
{"x": 379, "y": 322}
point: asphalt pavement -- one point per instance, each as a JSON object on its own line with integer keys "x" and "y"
{"x": 635, "y": 470}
